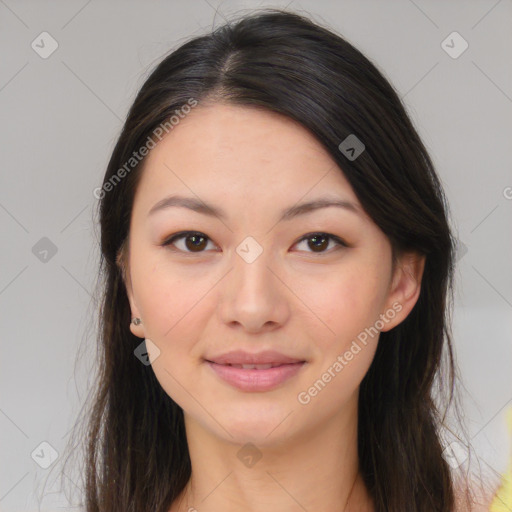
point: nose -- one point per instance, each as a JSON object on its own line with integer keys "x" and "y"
{"x": 254, "y": 297}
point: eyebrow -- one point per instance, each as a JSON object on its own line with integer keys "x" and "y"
{"x": 289, "y": 213}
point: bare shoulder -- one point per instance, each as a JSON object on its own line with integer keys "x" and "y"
{"x": 479, "y": 494}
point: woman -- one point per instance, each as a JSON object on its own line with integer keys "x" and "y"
{"x": 278, "y": 266}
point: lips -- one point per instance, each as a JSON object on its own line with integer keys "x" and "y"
{"x": 254, "y": 366}
{"x": 259, "y": 360}
{"x": 256, "y": 372}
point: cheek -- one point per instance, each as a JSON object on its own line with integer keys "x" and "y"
{"x": 170, "y": 304}
{"x": 346, "y": 303}
{"x": 345, "y": 339}
{"x": 174, "y": 310}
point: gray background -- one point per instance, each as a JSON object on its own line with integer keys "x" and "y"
{"x": 60, "y": 118}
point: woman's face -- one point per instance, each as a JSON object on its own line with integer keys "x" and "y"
{"x": 255, "y": 279}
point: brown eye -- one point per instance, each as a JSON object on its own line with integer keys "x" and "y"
{"x": 318, "y": 242}
{"x": 193, "y": 241}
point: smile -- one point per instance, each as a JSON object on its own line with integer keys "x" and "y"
{"x": 256, "y": 377}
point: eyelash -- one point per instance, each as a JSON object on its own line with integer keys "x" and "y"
{"x": 184, "y": 234}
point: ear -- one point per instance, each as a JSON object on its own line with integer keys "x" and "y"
{"x": 405, "y": 287}
{"x": 122, "y": 263}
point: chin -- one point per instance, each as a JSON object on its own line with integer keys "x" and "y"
{"x": 262, "y": 425}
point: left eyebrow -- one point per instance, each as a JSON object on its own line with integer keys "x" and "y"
{"x": 289, "y": 213}
{"x": 322, "y": 202}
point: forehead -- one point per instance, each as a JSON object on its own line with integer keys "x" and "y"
{"x": 221, "y": 150}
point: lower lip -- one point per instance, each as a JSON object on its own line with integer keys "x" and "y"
{"x": 255, "y": 380}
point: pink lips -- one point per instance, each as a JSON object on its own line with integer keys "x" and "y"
{"x": 261, "y": 371}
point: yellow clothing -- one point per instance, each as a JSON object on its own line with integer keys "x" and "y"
{"x": 502, "y": 501}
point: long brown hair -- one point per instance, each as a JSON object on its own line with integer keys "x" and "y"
{"x": 137, "y": 457}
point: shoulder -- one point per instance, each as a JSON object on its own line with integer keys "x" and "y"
{"x": 479, "y": 493}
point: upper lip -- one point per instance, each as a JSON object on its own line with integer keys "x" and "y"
{"x": 241, "y": 357}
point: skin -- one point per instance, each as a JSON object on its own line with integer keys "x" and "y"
{"x": 304, "y": 303}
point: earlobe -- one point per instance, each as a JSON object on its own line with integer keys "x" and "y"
{"x": 405, "y": 286}
{"x": 136, "y": 326}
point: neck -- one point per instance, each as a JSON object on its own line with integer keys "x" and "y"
{"x": 312, "y": 471}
